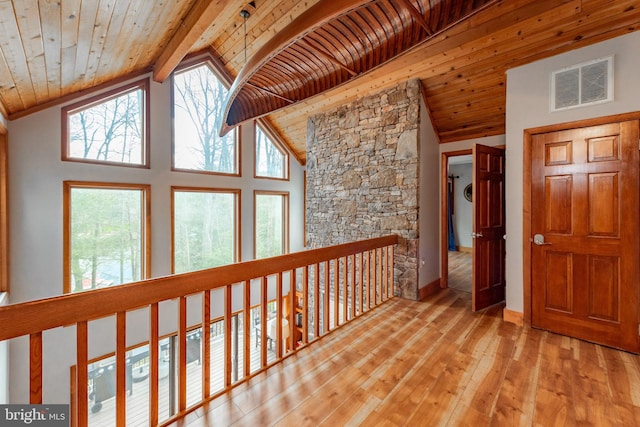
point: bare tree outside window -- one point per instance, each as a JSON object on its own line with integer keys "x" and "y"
{"x": 271, "y": 223}
{"x": 204, "y": 229}
{"x": 106, "y": 237}
{"x": 109, "y": 130}
{"x": 199, "y": 99}
{"x": 270, "y": 160}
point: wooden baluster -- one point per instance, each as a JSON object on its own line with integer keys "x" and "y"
{"x": 345, "y": 289}
{"x": 82, "y": 358}
{"x": 388, "y": 267}
{"x": 228, "y": 366}
{"x": 206, "y": 344}
{"x": 279, "y": 314}
{"x": 247, "y": 328}
{"x": 263, "y": 322}
{"x": 378, "y": 266}
{"x": 360, "y": 282}
{"x": 383, "y": 254}
{"x": 154, "y": 363}
{"x": 336, "y": 293}
{"x": 327, "y": 291}
{"x": 305, "y": 304}
{"x": 383, "y": 260}
{"x": 391, "y": 270}
{"x": 121, "y": 368}
{"x": 367, "y": 266}
{"x": 316, "y": 301}
{"x": 292, "y": 313}
{"x": 372, "y": 277}
{"x": 353, "y": 286}
{"x": 374, "y": 274}
{"x": 182, "y": 355}
{"x": 372, "y": 266}
{"x": 35, "y": 368}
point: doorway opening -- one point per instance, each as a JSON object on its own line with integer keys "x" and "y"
{"x": 473, "y": 219}
{"x": 460, "y": 222}
{"x": 456, "y": 221}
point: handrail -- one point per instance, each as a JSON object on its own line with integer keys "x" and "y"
{"x": 64, "y": 310}
{"x": 355, "y": 276}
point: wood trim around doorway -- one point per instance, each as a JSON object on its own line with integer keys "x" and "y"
{"x": 444, "y": 232}
{"x": 526, "y": 193}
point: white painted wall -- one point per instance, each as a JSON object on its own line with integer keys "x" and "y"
{"x": 528, "y": 107}
{"x": 36, "y": 242}
{"x": 428, "y": 208}
{"x": 4, "y": 361}
{"x": 462, "y": 213}
{"x": 468, "y": 144}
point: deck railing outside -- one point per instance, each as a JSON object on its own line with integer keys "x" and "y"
{"x": 260, "y": 311}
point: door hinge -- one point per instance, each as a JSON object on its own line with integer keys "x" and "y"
{"x": 638, "y": 329}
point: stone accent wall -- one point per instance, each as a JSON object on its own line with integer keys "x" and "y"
{"x": 362, "y": 176}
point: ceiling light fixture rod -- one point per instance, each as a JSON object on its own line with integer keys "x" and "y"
{"x": 245, "y": 14}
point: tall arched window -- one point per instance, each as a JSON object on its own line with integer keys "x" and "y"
{"x": 198, "y": 106}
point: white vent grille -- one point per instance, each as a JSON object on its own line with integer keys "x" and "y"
{"x": 583, "y": 84}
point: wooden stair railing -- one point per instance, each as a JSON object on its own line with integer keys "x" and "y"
{"x": 316, "y": 291}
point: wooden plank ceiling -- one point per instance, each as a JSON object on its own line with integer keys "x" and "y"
{"x": 52, "y": 50}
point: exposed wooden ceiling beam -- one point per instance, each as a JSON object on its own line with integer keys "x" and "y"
{"x": 195, "y": 23}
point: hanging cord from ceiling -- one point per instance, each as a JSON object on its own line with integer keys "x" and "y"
{"x": 245, "y": 14}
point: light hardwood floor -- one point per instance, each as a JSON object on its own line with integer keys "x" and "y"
{"x": 460, "y": 270}
{"x": 436, "y": 363}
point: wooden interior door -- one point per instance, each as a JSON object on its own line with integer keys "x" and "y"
{"x": 488, "y": 227}
{"x": 585, "y": 245}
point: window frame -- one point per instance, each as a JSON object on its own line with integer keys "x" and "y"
{"x": 271, "y": 136}
{"x": 142, "y": 84}
{"x": 185, "y": 67}
{"x": 145, "y": 220}
{"x": 285, "y": 219}
{"x": 237, "y": 255}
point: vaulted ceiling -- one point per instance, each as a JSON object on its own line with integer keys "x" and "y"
{"x": 52, "y": 50}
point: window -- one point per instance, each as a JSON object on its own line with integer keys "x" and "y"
{"x": 199, "y": 100}
{"x": 271, "y": 160}
{"x": 109, "y": 128}
{"x": 106, "y": 235}
{"x": 271, "y": 223}
{"x": 205, "y": 228}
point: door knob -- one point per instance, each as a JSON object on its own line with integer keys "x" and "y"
{"x": 538, "y": 239}
{"x": 476, "y": 235}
